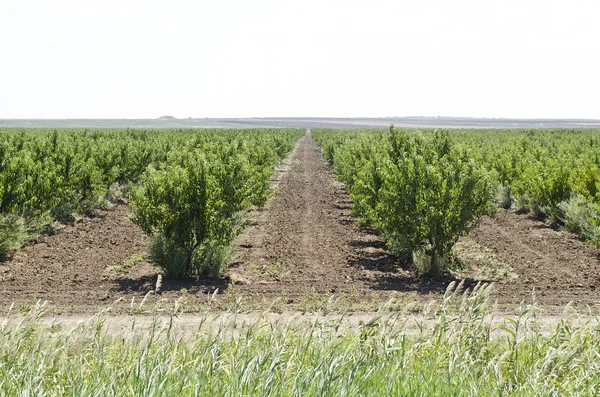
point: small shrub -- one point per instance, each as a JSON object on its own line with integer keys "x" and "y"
{"x": 15, "y": 231}
{"x": 430, "y": 195}
{"x": 427, "y": 261}
{"x": 66, "y": 210}
{"x": 503, "y": 197}
{"x": 115, "y": 194}
{"x": 63, "y": 212}
{"x": 578, "y": 215}
{"x": 193, "y": 212}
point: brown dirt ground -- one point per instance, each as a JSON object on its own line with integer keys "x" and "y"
{"x": 301, "y": 249}
{"x": 530, "y": 260}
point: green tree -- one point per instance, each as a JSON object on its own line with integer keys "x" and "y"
{"x": 175, "y": 206}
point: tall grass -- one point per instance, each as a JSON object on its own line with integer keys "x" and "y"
{"x": 456, "y": 351}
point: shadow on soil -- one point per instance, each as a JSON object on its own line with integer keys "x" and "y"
{"x": 343, "y": 205}
{"x": 423, "y": 285}
{"x": 388, "y": 272}
{"x": 147, "y": 283}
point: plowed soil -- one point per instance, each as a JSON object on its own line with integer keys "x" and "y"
{"x": 534, "y": 261}
{"x": 72, "y": 268}
{"x": 301, "y": 249}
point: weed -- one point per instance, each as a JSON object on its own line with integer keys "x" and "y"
{"x": 15, "y": 231}
{"x": 503, "y": 198}
{"x": 578, "y": 216}
{"x": 454, "y": 349}
{"x": 481, "y": 262}
{"x": 124, "y": 266}
{"x": 312, "y": 302}
{"x": 276, "y": 270}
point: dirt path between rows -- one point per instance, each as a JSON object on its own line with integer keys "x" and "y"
{"x": 302, "y": 252}
{"x": 305, "y": 244}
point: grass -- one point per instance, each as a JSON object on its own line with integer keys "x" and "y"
{"x": 456, "y": 350}
{"x": 276, "y": 270}
{"x": 125, "y": 265}
{"x": 481, "y": 262}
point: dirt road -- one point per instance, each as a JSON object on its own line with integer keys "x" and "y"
{"x": 305, "y": 242}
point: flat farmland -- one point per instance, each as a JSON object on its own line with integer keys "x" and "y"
{"x": 299, "y": 261}
{"x": 303, "y": 250}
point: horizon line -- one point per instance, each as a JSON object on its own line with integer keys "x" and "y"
{"x": 167, "y": 118}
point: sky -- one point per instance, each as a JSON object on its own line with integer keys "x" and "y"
{"x": 307, "y": 58}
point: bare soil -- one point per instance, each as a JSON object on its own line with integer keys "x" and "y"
{"x": 531, "y": 261}
{"x": 301, "y": 249}
{"x": 72, "y": 268}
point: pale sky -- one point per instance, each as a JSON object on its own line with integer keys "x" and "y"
{"x": 260, "y": 58}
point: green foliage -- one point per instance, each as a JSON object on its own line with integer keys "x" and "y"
{"x": 422, "y": 192}
{"x": 458, "y": 348}
{"x": 586, "y": 182}
{"x": 188, "y": 208}
{"x": 430, "y": 196}
{"x": 65, "y": 172}
{"x": 543, "y": 186}
{"x": 192, "y": 205}
{"x": 580, "y": 216}
{"x": 535, "y": 170}
{"x": 178, "y": 203}
{"x": 503, "y": 197}
{"x": 13, "y": 233}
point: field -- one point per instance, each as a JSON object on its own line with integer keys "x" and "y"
{"x": 372, "y": 224}
{"x": 301, "y": 122}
